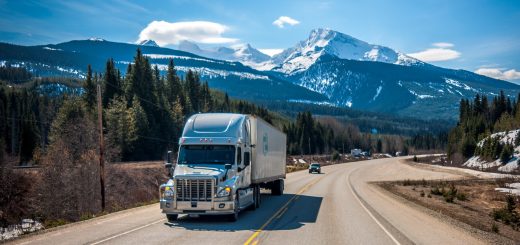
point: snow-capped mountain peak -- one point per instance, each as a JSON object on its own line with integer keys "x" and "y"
{"x": 243, "y": 53}
{"x": 326, "y": 41}
{"x": 96, "y": 39}
{"x": 148, "y": 43}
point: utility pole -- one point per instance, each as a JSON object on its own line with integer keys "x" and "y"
{"x": 101, "y": 148}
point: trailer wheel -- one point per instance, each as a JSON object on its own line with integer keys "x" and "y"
{"x": 171, "y": 217}
{"x": 277, "y": 188}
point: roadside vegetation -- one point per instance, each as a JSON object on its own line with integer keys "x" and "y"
{"x": 472, "y": 201}
{"x": 480, "y": 118}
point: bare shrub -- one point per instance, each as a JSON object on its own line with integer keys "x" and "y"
{"x": 14, "y": 196}
{"x": 70, "y": 176}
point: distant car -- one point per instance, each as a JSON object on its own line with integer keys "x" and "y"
{"x": 315, "y": 168}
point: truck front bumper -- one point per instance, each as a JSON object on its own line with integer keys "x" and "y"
{"x": 169, "y": 206}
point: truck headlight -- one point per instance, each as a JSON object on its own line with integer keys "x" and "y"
{"x": 224, "y": 192}
{"x": 167, "y": 192}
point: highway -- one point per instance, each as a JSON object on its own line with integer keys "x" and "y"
{"x": 339, "y": 206}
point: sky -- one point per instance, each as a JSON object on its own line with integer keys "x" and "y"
{"x": 476, "y": 35}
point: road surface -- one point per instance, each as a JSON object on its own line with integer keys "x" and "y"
{"x": 335, "y": 207}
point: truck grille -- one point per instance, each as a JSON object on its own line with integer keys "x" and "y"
{"x": 194, "y": 189}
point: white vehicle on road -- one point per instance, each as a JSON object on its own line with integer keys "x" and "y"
{"x": 223, "y": 161}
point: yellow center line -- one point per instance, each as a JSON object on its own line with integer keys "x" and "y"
{"x": 279, "y": 212}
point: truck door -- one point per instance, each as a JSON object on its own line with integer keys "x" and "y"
{"x": 247, "y": 150}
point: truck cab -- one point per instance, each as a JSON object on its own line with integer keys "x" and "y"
{"x": 214, "y": 174}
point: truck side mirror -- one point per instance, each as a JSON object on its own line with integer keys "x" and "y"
{"x": 169, "y": 157}
{"x": 247, "y": 159}
{"x": 227, "y": 166}
{"x": 168, "y": 164}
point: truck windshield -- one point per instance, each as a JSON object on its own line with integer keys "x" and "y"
{"x": 197, "y": 154}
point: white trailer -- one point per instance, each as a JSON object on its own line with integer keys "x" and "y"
{"x": 224, "y": 159}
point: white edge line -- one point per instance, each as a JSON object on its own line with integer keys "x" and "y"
{"x": 372, "y": 216}
{"x": 126, "y": 232}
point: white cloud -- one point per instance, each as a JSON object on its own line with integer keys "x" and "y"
{"x": 271, "y": 51}
{"x": 499, "y": 73}
{"x": 165, "y": 33}
{"x": 283, "y": 20}
{"x": 443, "y": 45}
{"x": 442, "y": 51}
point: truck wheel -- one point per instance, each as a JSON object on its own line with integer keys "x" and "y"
{"x": 234, "y": 217}
{"x": 258, "y": 197}
{"x": 171, "y": 217}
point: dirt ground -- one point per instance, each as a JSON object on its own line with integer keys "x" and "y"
{"x": 479, "y": 199}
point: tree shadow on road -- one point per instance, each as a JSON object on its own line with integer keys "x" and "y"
{"x": 301, "y": 209}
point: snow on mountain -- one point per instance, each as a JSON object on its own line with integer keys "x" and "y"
{"x": 325, "y": 41}
{"x": 243, "y": 53}
{"x": 510, "y": 166}
{"x": 148, "y": 43}
{"x": 96, "y": 39}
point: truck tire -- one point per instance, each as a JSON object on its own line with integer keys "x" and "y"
{"x": 234, "y": 216}
{"x": 277, "y": 188}
{"x": 258, "y": 197}
{"x": 172, "y": 217}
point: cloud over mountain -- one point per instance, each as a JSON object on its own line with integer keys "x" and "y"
{"x": 285, "y": 20}
{"x": 165, "y": 33}
{"x": 499, "y": 73}
{"x": 441, "y": 51}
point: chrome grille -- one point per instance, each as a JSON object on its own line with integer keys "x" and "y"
{"x": 194, "y": 189}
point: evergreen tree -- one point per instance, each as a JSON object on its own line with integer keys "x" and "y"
{"x": 506, "y": 154}
{"x": 193, "y": 89}
{"x": 174, "y": 86}
{"x": 90, "y": 91}
{"x": 121, "y": 124}
{"x": 112, "y": 83}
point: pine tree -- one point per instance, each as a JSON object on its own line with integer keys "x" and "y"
{"x": 226, "y": 106}
{"x": 89, "y": 87}
{"x": 121, "y": 124}
{"x": 173, "y": 85}
{"x": 506, "y": 154}
{"x": 112, "y": 83}
{"x": 193, "y": 90}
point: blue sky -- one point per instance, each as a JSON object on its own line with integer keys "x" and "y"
{"x": 473, "y": 35}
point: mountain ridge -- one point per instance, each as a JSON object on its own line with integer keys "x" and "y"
{"x": 331, "y": 68}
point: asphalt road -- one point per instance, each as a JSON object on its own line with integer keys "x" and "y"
{"x": 338, "y": 206}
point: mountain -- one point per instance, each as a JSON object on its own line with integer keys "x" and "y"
{"x": 328, "y": 68}
{"x": 71, "y": 59}
{"x": 242, "y": 53}
{"x": 352, "y": 73}
{"x": 148, "y": 43}
{"x": 328, "y": 42}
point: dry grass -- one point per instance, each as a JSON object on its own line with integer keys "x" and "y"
{"x": 480, "y": 199}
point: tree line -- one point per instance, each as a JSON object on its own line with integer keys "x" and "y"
{"x": 478, "y": 119}
{"x": 326, "y": 135}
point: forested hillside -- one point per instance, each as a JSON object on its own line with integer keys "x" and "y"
{"x": 480, "y": 118}
{"x": 144, "y": 112}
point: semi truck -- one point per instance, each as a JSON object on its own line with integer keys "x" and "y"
{"x": 223, "y": 161}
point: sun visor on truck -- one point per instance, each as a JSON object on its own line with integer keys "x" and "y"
{"x": 214, "y": 123}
